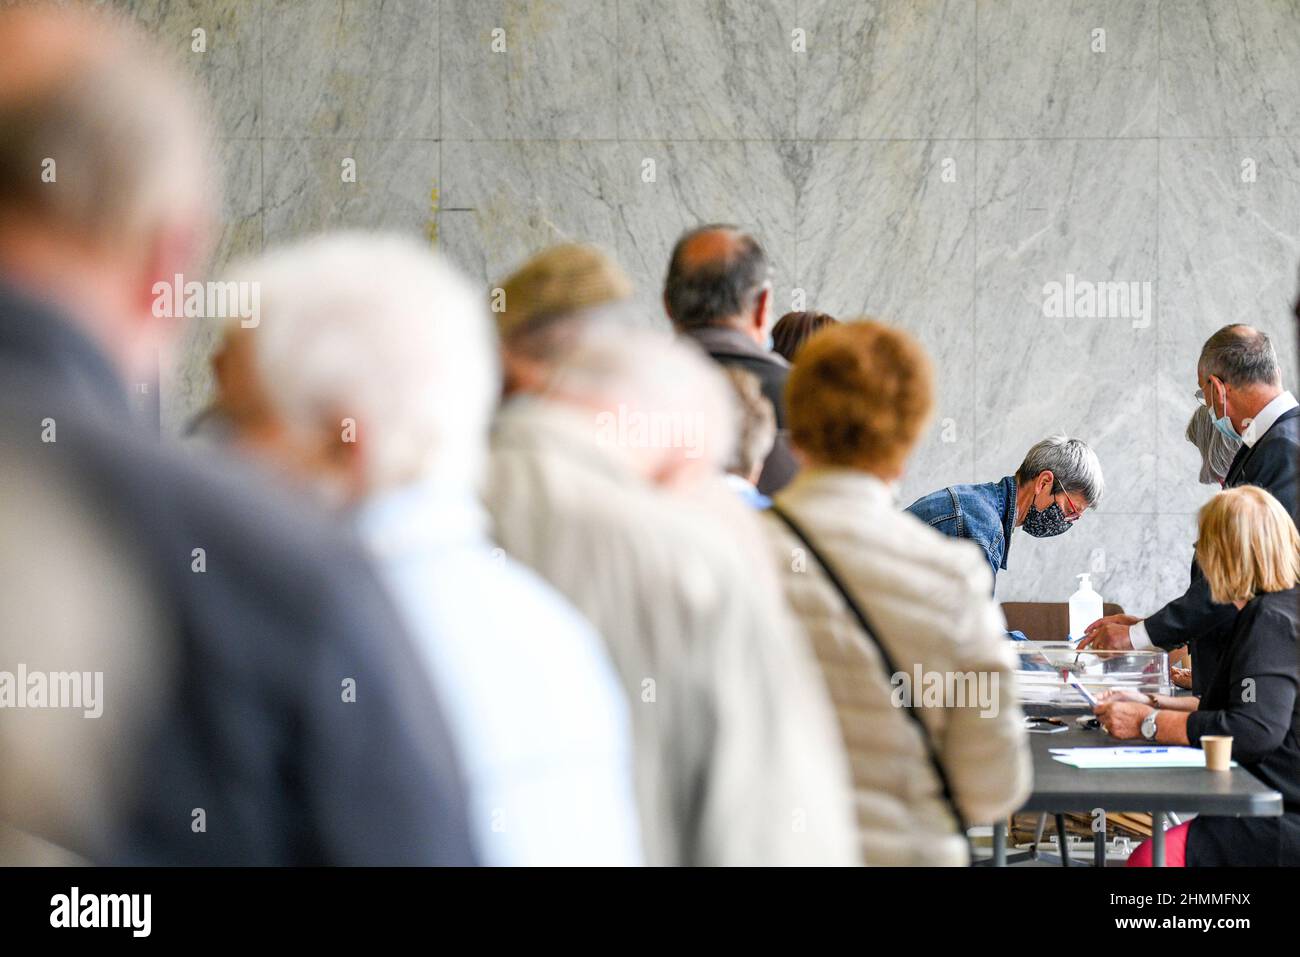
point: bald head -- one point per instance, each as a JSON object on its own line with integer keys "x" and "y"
{"x": 1241, "y": 356}
{"x": 718, "y": 276}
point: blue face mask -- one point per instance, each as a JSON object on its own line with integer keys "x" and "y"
{"x": 1223, "y": 423}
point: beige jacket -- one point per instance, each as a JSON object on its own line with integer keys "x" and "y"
{"x": 928, "y": 597}
{"x": 739, "y": 760}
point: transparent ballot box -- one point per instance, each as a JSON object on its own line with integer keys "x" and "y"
{"x": 1047, "y": 670}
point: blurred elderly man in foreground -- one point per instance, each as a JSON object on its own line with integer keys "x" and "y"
{"x": 901, "y": 617}
{"x": 606, "y": 480}
{"x": 256, "y": 754}
{"x": 373, "y": 377}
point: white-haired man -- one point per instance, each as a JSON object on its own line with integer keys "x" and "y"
{"x": 605, "y": 480}
{"x": 373, "y": 377}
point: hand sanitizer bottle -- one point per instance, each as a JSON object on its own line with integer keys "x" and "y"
{"x": 1085, "y": 607}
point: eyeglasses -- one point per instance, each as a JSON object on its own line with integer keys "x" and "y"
{"x": 1074, "y": 512}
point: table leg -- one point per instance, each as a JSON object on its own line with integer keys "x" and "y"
{"x": 1061, "y": 843}
{"x": 1157, "y": 838}
{"x": 1099, "y": 842}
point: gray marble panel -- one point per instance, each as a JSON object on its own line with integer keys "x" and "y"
{"x": 503, "y": 202}
{"x": 1229, "y": 69}
{"x": 556, "y": 78}
{"x": 1229, "y": 249}
{"x": 887, "y": 230}
{"x": 1122, "y": 553}
{"x": 1176, "y": 535}
{"x": 351, "y": 68}
{"x": 229, "y": 66}
{"x": 1039, "y": 74}
{"x": 750, "y": 184}
{"x": 887, "y": 69}
{"x": 187, "y": 376}
{"x": 691, "y": 70}
{"x": 241, "y": 202}
{"x": 396, "y": 188}
{"x": 1068, "y": 212}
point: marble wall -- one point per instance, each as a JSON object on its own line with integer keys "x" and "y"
{"x": 934, "y": 163}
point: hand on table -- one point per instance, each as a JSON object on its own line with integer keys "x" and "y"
{"x": 1121, "y": 719}
{"x": 1110, "y": 632}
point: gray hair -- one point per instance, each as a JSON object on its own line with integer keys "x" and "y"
{"x": 1240, "y": 355}
{"x": 1074, "y": 464}
{"x": 755, "y": 420}
{"x": 706, "y": 293}
{"x": 1217, "y": 450}
{"x": 668, "y": 386}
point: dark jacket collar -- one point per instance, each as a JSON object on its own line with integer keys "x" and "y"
{"x": 728, "y": 341}
{"x": 1246, "y": 451}
{"x": 39, "y": 344}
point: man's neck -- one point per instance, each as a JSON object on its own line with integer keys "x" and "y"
{"x": 79, "y": 296}
{"x": 1253, "y": 402}
{"x": 740, "y": 326}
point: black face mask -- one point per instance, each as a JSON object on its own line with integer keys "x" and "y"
{"x": 1047, "y": 523}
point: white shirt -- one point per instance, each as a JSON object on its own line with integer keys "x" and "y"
{"x": 534, "y": 705}
{"x": 1255, "y": 428}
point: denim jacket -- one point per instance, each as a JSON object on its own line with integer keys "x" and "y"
{"x": 986, "y": 514}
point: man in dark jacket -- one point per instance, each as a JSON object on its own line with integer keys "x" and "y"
{"x": 1241, "y": 383}
{"x": 293, "y": 724}
{"x": 719, "y": 293}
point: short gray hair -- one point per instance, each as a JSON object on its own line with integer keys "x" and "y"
{"x": 1240, "y": 355}
{"x": 1074, "y": 464}
{"x": 755, "y": 421}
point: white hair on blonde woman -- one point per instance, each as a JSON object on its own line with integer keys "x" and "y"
{"x": 653, "y": 391}
{"x": 378, "y": 329}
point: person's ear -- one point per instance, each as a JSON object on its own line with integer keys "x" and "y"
{"x": 762, "y": 307}
{"x": 173, "y": 249}
{"x": 1045, "y": 482}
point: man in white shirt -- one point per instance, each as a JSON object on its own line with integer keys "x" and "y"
{"x": 1240, "y": 381}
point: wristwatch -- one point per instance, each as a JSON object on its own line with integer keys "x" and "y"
{"x": 1149, "y": 726}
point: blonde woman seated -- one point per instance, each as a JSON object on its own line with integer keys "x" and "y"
{"x": 1250, "y": 553}
{"x": 896, "y": 613}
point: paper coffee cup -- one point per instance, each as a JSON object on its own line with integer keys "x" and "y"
{"x": 1218, "y": 751}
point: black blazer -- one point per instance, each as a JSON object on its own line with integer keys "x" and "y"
{"x": 1254, "y": 696}
{"x": 1273, "y": 463}
{"x": 255, "y": 730}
